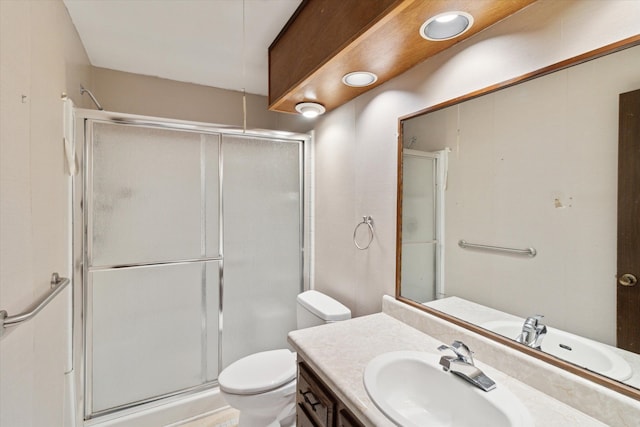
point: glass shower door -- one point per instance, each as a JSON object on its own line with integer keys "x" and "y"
{"x": 262, "y": 199}
{"x": 153, "y": 264}
{"x": 175, "y": 219}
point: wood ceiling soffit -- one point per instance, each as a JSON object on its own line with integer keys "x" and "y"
{"x": 326, "y": 39}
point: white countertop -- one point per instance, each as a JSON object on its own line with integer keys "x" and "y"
{"x": 339, "y": 353}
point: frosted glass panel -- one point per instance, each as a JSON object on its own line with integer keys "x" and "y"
{"x": 211, "y": 160}
{"x": 262, "y": 273}
{"x": 418, "y": 202}
{"x": 146, "y": 194}
{"x": 147, "y": 331}
{"x": 418, "y": 271}
{"x": 154, "y": 197}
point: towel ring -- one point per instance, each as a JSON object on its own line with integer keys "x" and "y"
{"x": 368, "y": 221}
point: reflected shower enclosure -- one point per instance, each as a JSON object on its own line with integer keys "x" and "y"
{"x": 185, "y": 228}
{"x": 423, "y": 180}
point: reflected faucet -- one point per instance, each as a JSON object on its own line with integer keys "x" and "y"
{"x": 533, "y": 332}
{"x": 462, "y": 365}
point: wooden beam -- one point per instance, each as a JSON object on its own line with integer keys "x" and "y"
{"x": 326, "y": 39}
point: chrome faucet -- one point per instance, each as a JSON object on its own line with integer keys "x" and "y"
{"x": 533, "y": 332}
{"x": 462, "y": 365}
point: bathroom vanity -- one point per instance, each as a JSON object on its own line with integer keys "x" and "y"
{"x": 317, "y": 406}
{"x": 332, "y": 360}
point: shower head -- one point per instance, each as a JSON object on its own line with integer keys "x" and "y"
{"x": 93, "y": 98}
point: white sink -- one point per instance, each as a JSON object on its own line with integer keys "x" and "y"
{"x": 580, "y": 351}
{"x": 412, "y": 390}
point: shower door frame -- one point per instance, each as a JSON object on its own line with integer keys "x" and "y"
{"x": 81, "y": 238}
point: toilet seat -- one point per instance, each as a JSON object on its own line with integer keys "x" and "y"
{"x": 259, "y": 372}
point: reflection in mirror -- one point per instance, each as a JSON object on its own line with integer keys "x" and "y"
{"x": 532, "y": 165}
{"x": 422, "y": 223}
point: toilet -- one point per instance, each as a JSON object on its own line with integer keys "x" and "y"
{"x": 262, "y": 386}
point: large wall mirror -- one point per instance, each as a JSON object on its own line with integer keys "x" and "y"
{"x": 508, "y": 211}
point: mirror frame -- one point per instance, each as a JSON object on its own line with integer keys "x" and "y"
{"x": 574, "y": 369}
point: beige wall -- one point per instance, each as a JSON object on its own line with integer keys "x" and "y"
{"x": 40, "y": 58}
{"x": 355, "y": 145}
{"x": 152, "y": 96}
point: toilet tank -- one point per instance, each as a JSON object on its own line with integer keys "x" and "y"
{"x": 315, "y": 308}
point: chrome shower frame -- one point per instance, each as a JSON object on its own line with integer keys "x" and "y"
{"x": 81, "y": 239}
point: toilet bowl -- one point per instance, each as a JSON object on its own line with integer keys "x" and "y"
{"x": 262, "y": 386}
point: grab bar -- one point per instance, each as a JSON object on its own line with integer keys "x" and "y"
{"x": 57, "y": 285}
{"x": 528, "y": 251}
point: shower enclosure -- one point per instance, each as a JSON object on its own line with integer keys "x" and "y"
{"x": 191, "y": 255}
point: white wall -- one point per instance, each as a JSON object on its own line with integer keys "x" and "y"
{"x": 40, "y": 57}
{"x": 356, "y": 144}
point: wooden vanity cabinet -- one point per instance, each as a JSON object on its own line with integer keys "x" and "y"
{"x": 346, "y": 419}
{"x": 317, "y": 406}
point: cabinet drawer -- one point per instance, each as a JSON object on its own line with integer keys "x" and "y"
{"x": 314, "y": 399}
{"x": 302, "y": 419}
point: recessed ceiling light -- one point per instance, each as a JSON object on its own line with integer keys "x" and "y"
{"x": 445, "y": 26}
{"x": 359, "y": 79}
{"x": 448, "y": 17}
{"x": 310, "y": 109}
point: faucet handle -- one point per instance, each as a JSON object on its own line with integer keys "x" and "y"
{"x": 541, "y": 331}
{"x": 460, "y": 349}
{"x": 535, "y": 319}
{"x": 533, "y": 331}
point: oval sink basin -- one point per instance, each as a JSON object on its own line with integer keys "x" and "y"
{"x": 575, "y": 349}
{"x": 412, "y": 390}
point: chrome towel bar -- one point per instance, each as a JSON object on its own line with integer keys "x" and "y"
{"x": 528, "y": 251}
{"x": 57, "y": 285}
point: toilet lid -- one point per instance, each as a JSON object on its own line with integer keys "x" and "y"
{"x": 259, "y": 372}
{"x": 323, "y": 306}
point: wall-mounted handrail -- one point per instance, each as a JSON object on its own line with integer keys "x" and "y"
{"x": 528, "y": 251}
{"x": 57, "y": 285}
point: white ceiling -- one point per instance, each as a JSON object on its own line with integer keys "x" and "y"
{"x": 195, "y": 41}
